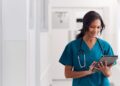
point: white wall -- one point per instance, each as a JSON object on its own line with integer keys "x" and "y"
{"x": 21, "y": 43}
{"x": 14, "y": 42}
{"x": 37, "y": 44}
{"x": 111, "y": 5}
{"x": 45, "y": 59}
{"x": 118, "y": 28}
{"x": 0, "y": 42}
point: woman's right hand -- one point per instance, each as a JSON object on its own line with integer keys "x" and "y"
{"x": 69, "y": 73}
{"x": 92, "y": 66}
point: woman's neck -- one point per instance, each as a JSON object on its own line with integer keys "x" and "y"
{"x": 89, "y": 39}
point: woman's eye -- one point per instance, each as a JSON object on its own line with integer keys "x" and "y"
{"x": 92, "y": 27}
{"x": 98, "y": 27}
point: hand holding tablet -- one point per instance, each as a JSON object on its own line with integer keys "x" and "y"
{"x": 109, "y": 59}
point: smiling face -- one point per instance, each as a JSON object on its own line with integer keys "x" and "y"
{"x": 94, "y": 29}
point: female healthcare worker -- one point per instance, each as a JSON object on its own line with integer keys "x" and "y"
{"x": 81, "y": 55}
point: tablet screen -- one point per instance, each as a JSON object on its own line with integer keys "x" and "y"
{"x": 110, "y": 59}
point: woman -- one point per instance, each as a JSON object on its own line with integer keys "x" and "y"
{"x": 81, "y": 55}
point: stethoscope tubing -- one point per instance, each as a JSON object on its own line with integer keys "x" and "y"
{"x": 84, "y": 56}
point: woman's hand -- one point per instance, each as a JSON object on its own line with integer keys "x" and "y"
{"x": 70, "y": 73}
{"x": 92, "y": 66}
{"x": 104, "y": 68}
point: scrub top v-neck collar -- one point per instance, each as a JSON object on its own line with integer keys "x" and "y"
{"x": 86, "y": 47}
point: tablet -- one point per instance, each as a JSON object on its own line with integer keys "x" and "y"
{"x": 110, "y": 60}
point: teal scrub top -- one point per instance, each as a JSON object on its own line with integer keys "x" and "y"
{"x": 70, "y": 57}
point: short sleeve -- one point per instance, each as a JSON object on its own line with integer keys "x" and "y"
{"x": 109, "y": 50}
{"x": 66, "y": 57}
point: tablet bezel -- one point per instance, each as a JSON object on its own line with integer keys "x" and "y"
{"x": 110, "y": 60}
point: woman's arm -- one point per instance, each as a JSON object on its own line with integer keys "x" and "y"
{"x": 69, "y": 73}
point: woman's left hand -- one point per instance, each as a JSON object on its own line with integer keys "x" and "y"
{"x": 104, "y": 68}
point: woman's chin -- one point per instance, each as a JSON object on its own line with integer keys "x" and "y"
{"x": 94, "y": 36}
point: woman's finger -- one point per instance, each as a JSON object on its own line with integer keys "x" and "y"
{"x": 105, "y": 63}
{"x": 93, "y": 64}
{"x": 110, "y": 66}
{"x": 96, "y": 68}
{"x": 101, "y": 64}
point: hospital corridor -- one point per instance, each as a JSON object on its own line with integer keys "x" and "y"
{"x": 34, "y": 35}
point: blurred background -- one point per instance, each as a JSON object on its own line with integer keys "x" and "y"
{"x": 33, "y": 34}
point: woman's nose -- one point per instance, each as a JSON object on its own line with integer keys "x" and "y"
{"x": 95, "y": 30}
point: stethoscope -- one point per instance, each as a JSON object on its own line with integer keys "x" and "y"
{"x": 84, "y": 56}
